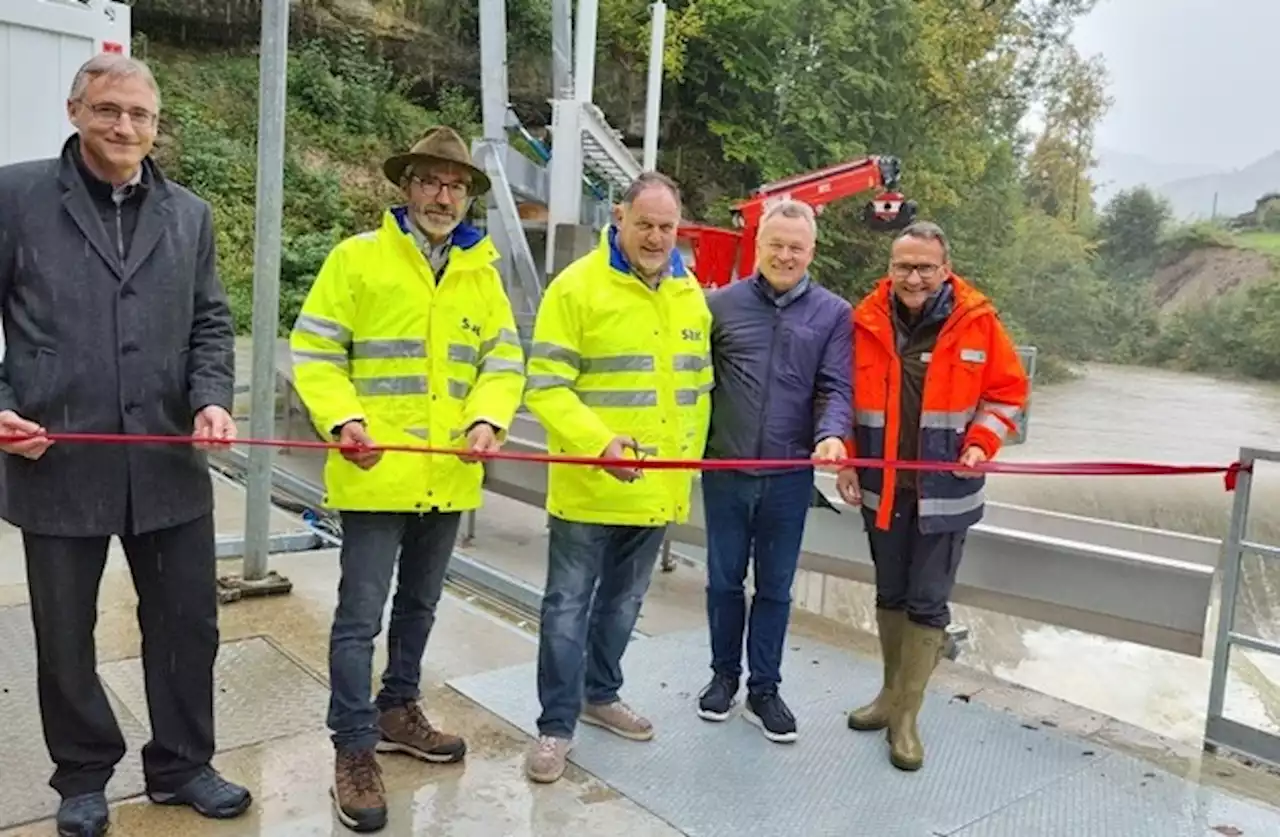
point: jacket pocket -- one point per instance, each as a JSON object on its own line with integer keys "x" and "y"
{"x": 35, "y": 381}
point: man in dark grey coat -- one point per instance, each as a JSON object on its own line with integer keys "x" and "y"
{"x": 116, "y": 322}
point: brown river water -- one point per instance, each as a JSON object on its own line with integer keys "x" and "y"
{"x": 1129, "y": 413}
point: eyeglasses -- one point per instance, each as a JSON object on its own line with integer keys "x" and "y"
{"x": 109, "y": 114}
{"x": 432, "y": 186}
{"x": 903, "y": 270}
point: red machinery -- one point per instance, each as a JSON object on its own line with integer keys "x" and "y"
{"x": 721, "y": 255}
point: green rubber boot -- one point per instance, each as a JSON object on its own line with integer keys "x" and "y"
{"x": 875, "y": 715}
{"x": 921, "y": 650}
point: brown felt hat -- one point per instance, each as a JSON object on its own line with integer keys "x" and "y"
{"x": 441, "y": 144}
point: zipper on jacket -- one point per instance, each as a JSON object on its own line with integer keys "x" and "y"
{"x": 119, "y": 234}
{"x": 768, "y": 379}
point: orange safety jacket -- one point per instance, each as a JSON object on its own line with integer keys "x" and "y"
{"x": 974, "y": 390}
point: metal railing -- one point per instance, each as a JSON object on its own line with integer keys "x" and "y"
{"x": 1221, "y": 731}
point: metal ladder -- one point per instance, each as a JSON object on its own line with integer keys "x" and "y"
{"x": 1219, "y": 730}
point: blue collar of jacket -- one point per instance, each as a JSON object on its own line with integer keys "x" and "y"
{"x": 781, "y": 300}
{"x": 464, "y": 236}
{"x": 618, "y": 260}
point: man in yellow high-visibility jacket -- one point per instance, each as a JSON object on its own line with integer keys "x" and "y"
{"x": 406, "y": 337}
{"x": 620, "y": 366}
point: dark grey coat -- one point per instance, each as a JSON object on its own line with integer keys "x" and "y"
{"x": 96, "y": 345}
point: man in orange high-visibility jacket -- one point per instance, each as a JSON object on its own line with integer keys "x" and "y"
{"x": 935, "y": 378}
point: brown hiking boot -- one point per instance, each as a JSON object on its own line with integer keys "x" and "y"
{"x": 406, "y": 730}
{"x": 358, "y": 794}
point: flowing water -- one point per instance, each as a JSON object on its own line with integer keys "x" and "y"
{"x": 1128, "y": 413}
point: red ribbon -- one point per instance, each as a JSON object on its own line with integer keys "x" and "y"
{"x": 1230, "y": 472}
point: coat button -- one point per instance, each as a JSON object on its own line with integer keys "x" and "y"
{"x": 129, "y": 348}
{"x": 131, "y": 407}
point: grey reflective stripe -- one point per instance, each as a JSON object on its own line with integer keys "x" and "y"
{"x": 391, "y": 385}
{"x": 547, "y": 382}
{"x": 320, "y": 327}
{"x": 505, "y": 336}
{"x": 870, "y": 500}
{"x": 689, "y": 397}
{"x": 550, "y": 351}
{"x": 1006, "y": 410}
{"x": 463, "y": 354}
{"x": 690, "y": 363}
{"x": 338, "y": 359}
{"x": 380, "y": 349}
{"x": 994, "y": 424}
{"x": 420, "y": 432}
{"x": 944, "y": 420}
{"x": 869, "y": 418}
{"x": 619, "y": 398}
{"x": 501, "y": 364}
{"x": 458, "y": 389}
{"x": 618, "y": 363}
{"x": 951, "y": 506}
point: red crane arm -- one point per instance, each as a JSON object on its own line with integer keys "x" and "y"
{"x": 815, "y": 188}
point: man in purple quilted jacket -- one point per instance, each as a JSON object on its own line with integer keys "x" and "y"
{"x": 781, "y": 346}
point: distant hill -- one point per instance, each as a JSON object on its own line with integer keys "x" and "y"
{"x": 1237, "y": 191}
{"x": 1189, "y": 187}
{"x": 1120, "y": 170}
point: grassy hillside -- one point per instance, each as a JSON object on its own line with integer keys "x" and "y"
{"x": 1263, "y": 242}
{"x": 346, "y": 114}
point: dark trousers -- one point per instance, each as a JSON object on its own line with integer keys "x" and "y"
{"x": 371, "y": 543}
{"x": 174, "y": 574}
{"x": 762, "y": 517}
{"x": 597, "y": 576}
{"x": 915, "y": 572}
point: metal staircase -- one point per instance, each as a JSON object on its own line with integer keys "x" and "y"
{"x": 603, "y": 153}
{"x": 587, "y": 169}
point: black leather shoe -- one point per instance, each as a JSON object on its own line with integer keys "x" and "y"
{"x": 208, "y": 794}
{"x": 83, "y": 816}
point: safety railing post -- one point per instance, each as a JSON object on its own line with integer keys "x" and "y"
{"x": 1221, "y": 731}
{"x": 1232, "y": 557}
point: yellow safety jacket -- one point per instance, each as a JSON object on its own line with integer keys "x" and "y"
{"x": 419, "y": 358}
{"x": 612, "y": 357}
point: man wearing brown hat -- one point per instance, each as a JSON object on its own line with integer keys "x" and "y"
{"x": 407, "y": 337}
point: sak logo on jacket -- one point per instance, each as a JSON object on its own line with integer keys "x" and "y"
{"x": 693, "y": 334}
{"x": 467, "y": 325}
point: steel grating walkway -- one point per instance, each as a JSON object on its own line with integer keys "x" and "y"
{"x": 260, "y": 693}
{"x": 987, "y": 773}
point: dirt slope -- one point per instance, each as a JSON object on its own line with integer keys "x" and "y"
{"x": 1208, "y": 273}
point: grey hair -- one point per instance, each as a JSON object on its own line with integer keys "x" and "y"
{"x": 791, "y": 208}
{"x": 115, "y": 66}
{"x": 928, "y": 231}
{"x": 648, "y": 180}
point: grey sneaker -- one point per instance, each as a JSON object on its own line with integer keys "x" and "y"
{"x": 619, "y": 719}
{"x": 546, "y": 759}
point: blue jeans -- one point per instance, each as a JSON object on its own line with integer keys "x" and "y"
{"x": 761, "y": 515}
{"x": 371, "y": 542}
{"x": 597, "y": 576}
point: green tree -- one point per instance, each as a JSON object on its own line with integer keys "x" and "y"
{"x": 1129, "y": 234}
{"x": 1075, "y": 102}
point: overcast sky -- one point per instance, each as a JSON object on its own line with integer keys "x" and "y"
{"x": 1191, "y": 79}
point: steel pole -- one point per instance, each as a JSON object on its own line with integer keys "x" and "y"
{"x": 274, "y": 48}
{"x": 584, "y": 51}
{"x": 653, "y": 100}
